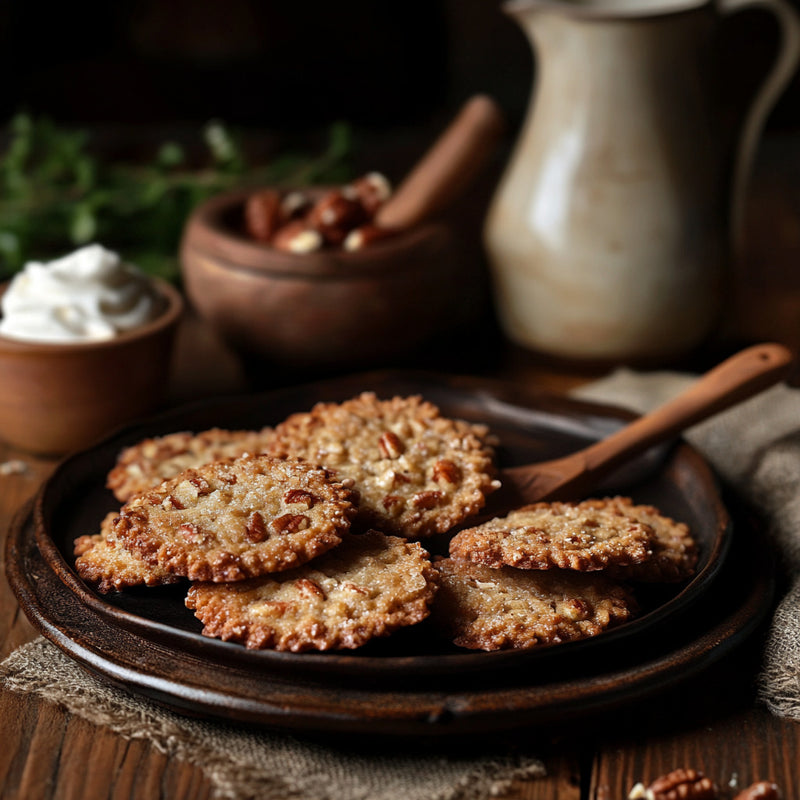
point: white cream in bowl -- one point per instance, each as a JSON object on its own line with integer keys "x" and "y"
{"x": 88, "y": 295}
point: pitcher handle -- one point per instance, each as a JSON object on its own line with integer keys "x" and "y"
{"x": 771, "y": 89}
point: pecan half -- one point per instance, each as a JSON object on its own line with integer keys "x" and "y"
{"x": 289, "y": 523}
{"x": 683, "y": 784}
{"x": 299, "y": 497}
{"x": 762, "y": 790}
{"x": 429, "y": 499}
{"x": 446, "y": 471}
{"x": 390, "y": 445}
{"x": 256, "y": 529}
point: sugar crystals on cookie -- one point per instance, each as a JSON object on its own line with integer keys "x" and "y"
{"x": 583, "y": 536}
{"x": 483, "y": 608}
{"x": 238, "y": 518}
{"x": 417, "y": 472}
{"x": 369, "y": 586}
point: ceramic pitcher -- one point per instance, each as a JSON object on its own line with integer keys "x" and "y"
{"x": 611, "y": 233}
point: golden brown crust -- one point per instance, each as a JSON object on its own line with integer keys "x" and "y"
{"x": 483, "y": 608}
{"x": 103, "y": 562}
{"x": 675, "y": 551}
{"x": 144, "y": 465}
{"x": 585, "y": 536}
{"x": 238, "y": 518}
{"x": 418, "y": 473}
{"x": 369, "y": 586}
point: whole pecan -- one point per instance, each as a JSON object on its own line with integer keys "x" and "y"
{"x": 683, "y": 784}
{"x": 762, "y": 790}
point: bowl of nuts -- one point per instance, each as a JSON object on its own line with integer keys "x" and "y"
{"x": 307, "y": 279}
{"x": 348, "y": 275}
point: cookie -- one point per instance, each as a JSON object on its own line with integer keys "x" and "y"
{"x": 238, "y": 518}
{"x": 103, "y": 562}
{"x": 369, "y": 586}
{"x": 585, "y": 536}
{"x": 417, "y": 472}
{"x": 675, "y": 552}
{"x": 144, "y": 465}
{"x": 482, "y": 608}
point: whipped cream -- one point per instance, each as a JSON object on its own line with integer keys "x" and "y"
{"x": 89, "y": 295}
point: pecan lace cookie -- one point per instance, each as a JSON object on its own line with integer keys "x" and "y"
{"x": 369, "y": 586}
{"x": 417, "y": 473}
{"x": 675, "y": 551}
{"x": 583, "y": 536}
{"x": 103, "y": 562}
{"x": 144, "y": 465}
{"x": 238, "y": 518}
{"x": 496, "y": 609}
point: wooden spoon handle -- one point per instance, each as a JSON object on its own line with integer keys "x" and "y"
{"x": 446, "y": 170}
{"x": 734, "y": 380}
{"x": 737, "y": 378}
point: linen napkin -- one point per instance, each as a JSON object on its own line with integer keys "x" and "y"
{"x": 755, "y": 448}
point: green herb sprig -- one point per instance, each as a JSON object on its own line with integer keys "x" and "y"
{"x": 56, "y": 195}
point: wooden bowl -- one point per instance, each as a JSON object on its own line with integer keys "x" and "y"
{"x": 58, "y": 397}
{"x": 326, "y": 308}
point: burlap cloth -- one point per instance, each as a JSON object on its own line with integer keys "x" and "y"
{"x": 754, "y": 447}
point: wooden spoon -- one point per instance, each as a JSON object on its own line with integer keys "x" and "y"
{"x": 736, "y": 379}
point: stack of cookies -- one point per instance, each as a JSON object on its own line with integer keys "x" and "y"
{"x": 307, "y": 536}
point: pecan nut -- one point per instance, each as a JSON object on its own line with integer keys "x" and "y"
{"x": 390, "y": 445}
{"x": 299, "y": 497}
{"x": 262, "y": 214}
{"x": 427, "y": 499}
{"x": 256, "y": 529}
{"x": 297, "y": 237}
{"x": 335, "y": 214}
{"x": 762, "y": 790}
{"x": 289, "y": 523}
{"x": 683, "y": 784}
{"x": 446, "y": 471}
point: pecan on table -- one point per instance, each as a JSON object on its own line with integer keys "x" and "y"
{"x": 762, "y": 790}
{"x": 683, "y": 784}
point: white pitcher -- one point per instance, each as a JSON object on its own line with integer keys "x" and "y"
{"x": 610, "y": 236}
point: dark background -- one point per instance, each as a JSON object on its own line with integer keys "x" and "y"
{"x": 249, "y": 62}
{"x": 284, "y": 64}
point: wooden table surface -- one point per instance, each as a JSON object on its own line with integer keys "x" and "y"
{"x": 713, "y": 723}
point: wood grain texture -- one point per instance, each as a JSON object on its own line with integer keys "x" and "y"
{"x": 734, "y": 750}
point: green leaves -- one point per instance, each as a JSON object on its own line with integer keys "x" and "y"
{"x": 55, "y": 195}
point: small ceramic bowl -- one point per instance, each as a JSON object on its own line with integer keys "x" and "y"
{"x": 326, "y": 308}
{"x": 55, "y": 398}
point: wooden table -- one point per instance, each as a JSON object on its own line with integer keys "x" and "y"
{"x": 712, "y": 724}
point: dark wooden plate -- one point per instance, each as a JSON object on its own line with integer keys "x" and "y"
{"x": 538, "y": 694}
{"x": 214, "y": 677}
